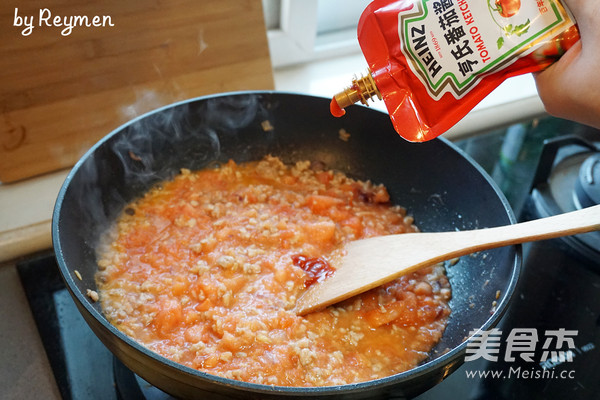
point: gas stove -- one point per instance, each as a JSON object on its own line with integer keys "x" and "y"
{"x": 542, "y": 172}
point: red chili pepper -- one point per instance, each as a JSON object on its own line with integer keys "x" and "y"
{"x": 316, "y": 268}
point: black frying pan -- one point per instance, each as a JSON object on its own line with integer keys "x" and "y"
{"x": 439, "y": 185}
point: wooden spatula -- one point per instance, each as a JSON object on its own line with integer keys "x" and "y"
{"x": 372, "y": 262}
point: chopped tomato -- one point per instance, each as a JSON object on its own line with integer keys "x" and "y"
{"x": 319, "y": 204}
{"x": 321, "y": 231}
{"x": 169, "y": 316}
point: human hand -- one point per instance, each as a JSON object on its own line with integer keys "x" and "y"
{"x": 570, "y": 88}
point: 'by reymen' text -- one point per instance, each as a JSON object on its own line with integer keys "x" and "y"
{"x": 68, "y": 23}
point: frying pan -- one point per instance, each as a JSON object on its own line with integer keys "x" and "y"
{"x": 439, "y": 185}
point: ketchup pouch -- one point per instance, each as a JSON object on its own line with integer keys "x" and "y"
{"x": 432, "y": 61}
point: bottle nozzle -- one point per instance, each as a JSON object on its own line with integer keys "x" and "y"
{"x": 362, "y": 89}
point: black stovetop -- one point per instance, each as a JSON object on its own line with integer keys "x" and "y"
{"x": 557, "y": 291}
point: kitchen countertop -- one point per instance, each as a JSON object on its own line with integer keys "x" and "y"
{"x": 26, "y": 214}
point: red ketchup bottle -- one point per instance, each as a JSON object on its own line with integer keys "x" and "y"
{"x": 432, "y": 61}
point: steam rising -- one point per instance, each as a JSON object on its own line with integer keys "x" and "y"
{"x": 146, "y": 100}
{"x": 156, "y": 146}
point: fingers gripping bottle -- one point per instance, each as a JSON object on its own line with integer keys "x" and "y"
{"x": 432, "y": 61}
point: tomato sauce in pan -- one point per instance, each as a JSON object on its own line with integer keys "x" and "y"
{"x": 205, "y": 270}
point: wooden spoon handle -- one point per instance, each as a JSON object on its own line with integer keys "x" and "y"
{"x": 574, "y": 222}
{"x": 374, "y": 261}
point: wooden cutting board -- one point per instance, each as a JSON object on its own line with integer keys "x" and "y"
{"x": 61, "y": 93}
